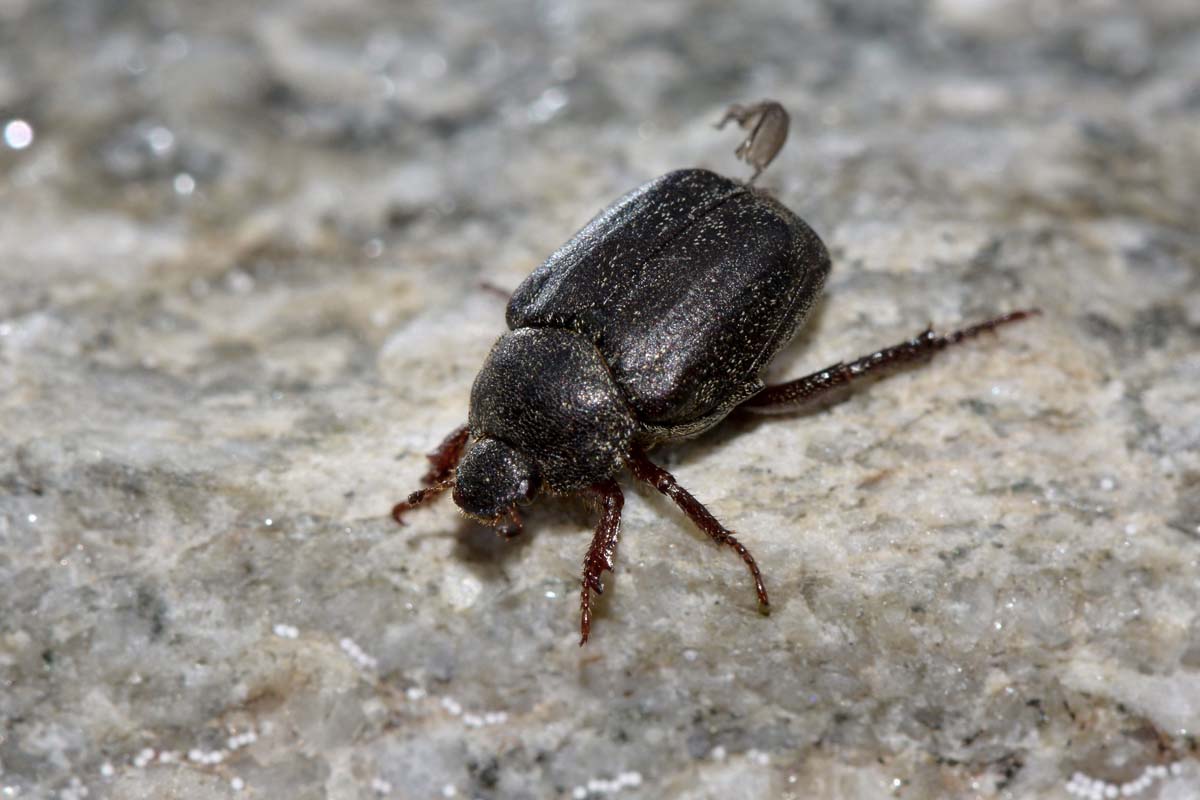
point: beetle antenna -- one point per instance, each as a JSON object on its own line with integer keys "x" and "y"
{"x": 419, "y": 497}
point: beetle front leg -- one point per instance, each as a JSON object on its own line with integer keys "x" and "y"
{"x": 445, "y": 458}
{"x": 646, "y": 470}
{"x": 419, "y": 497}
{"x": 784, "y": 397}
{"x": 440, "y": 476}
{"x": 602, "y": 553}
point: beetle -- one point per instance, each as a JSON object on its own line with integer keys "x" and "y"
{"x": 652, "y": 324}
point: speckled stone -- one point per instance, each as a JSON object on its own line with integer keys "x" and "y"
{"x": 240, "y": 268}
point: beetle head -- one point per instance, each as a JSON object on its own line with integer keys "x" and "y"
{"x": 492, "y": 477}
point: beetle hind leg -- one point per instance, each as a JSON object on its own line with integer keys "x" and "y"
{"x": 784, "y": 397}
{"x": 767, "y": 123}
{"x": 646, "y": 470}
{"x": 602, "y": 553}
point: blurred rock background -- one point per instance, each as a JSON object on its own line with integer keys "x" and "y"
{"x": 241, "y": 248}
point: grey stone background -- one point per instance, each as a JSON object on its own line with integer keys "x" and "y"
{"x": 239, "y": 298}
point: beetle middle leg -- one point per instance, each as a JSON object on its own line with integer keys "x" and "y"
{"x": 602, "y": 553}
{"x": 784, "y": 397}
{"x": 646, "y": 470}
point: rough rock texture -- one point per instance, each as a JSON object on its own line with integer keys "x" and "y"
{"x": 240, "y": 267}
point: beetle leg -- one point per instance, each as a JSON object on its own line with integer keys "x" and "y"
{"x": 784, "y": 397}
{"x": 440, "y": 475}
{"x": 767, "y": 123}
{"x": 417, "y": 498}
{"x": 646, "y": 470}
{"x": 602, "y": 553}
{"x": 445, "y": 458}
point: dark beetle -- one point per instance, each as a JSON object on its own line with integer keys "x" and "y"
{"x": 651, "y": 324}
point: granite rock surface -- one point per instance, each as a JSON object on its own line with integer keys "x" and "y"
{"x": 241, "y": 252}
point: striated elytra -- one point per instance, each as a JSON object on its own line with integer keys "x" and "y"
{"x": 651, "y": 324}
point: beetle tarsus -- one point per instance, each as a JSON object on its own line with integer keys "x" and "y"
{"x": 783, "y": 397}
{"x": 419, "y": 497}
{"x": 767, "y": 123}
{"x": 602, "y": 553}
{"x": 646, "y": 470}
